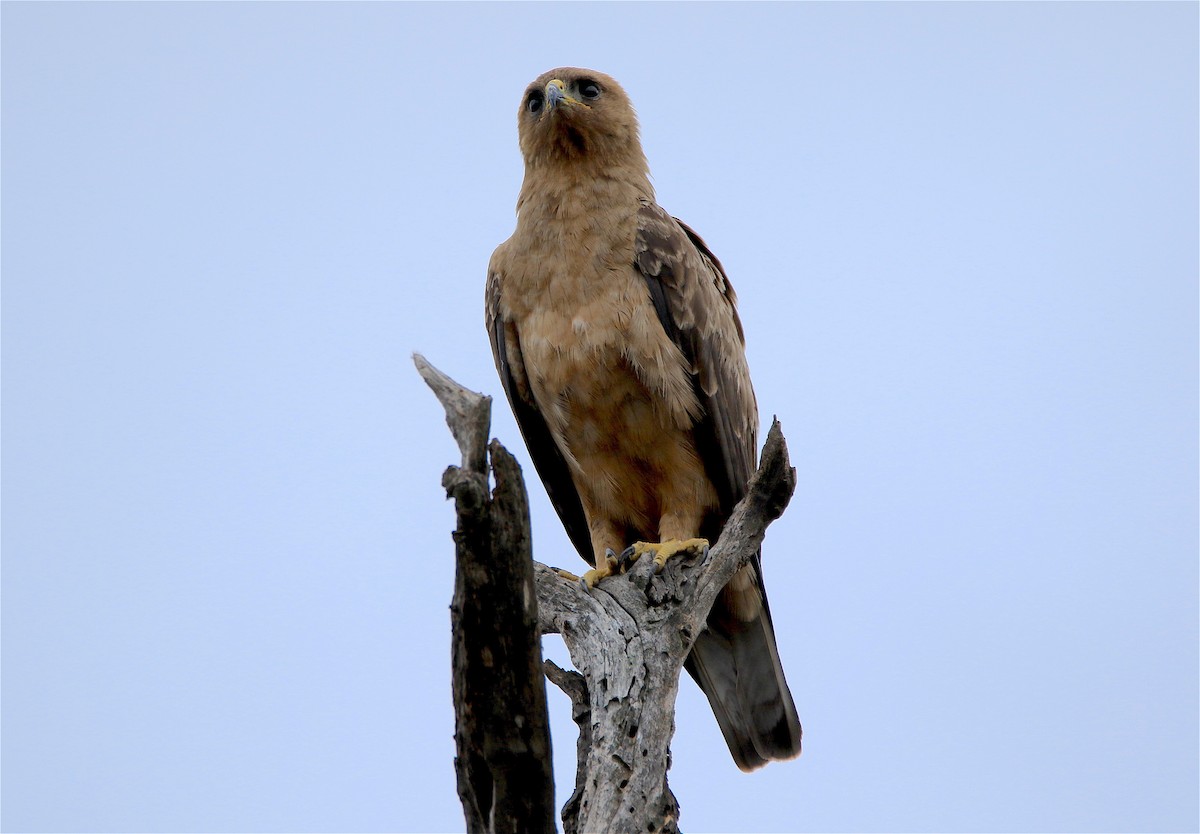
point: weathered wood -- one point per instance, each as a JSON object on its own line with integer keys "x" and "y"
{"x": 503, "y": 762}
{"x": 575, "y": 686}
{"x": 468, "y": 414}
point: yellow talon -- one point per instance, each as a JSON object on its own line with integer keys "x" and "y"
{"x": 601, "y": 571}
{"x": 592, "y": 578}
{"x": 566, "y": 574}
{"x": 665, "y": 550}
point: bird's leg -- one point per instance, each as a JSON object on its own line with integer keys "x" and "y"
{"x": 605, "y": 535}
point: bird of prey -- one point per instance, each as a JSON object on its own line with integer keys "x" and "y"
{"x": 618, "y": 343}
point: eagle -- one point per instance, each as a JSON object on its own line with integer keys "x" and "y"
{"x": 618, "y": 343}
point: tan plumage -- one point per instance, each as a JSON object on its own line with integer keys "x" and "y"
{"x": 617, "y": 339}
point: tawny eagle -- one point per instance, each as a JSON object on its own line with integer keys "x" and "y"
{"x": 618, "y": 343}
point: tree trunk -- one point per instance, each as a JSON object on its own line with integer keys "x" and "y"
{"x": 502, "y": 734}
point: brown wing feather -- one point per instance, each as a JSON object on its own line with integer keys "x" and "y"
{"x": 682, "y": 274}
{"x": 547, "y": 459}
{"x": 735, "y": 660}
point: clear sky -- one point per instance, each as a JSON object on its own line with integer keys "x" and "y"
{"x": 965, "y": 241}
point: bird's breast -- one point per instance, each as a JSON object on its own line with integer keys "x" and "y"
{"x": 600, "y": 364}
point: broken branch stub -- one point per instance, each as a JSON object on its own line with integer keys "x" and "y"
{"x": 502, "y": 737}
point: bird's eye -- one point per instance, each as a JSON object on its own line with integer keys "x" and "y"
{"x": 590, "y": 90}
{"x": 534, "y": 105}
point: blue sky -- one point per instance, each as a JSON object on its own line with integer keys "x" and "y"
{"x": 964, "y": 237}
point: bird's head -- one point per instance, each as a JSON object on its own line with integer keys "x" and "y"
{"x": 571, "y": 115}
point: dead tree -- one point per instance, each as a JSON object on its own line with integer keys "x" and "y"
{"x": 628, "y": 637}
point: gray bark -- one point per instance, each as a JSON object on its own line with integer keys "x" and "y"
{"x": 628, "y": 637}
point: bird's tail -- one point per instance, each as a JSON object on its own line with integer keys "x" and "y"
{"x": 736, "y": 663}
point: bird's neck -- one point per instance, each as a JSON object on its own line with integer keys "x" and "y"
{"x": 554, "y": 192}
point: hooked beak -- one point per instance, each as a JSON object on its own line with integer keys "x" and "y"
{"x": 556, "y": 94}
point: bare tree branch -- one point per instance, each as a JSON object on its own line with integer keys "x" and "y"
{"x": 468, "y": 414}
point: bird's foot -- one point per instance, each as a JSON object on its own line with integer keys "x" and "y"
{"x": 662, "y": 550}
{"x": 608, "y": 566}
{"x": 566, "y": 574}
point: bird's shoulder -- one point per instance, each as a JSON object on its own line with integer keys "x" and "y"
{"x": 687, "y": 281}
